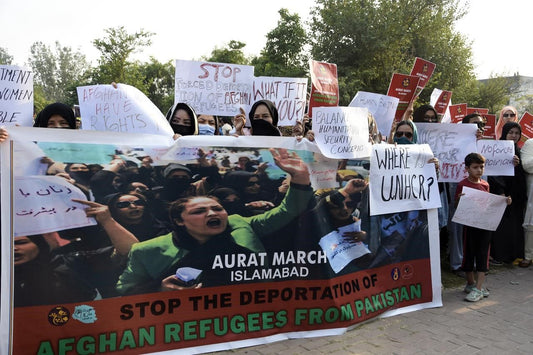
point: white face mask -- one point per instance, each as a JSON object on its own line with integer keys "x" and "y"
{"x": 206, "y": 130}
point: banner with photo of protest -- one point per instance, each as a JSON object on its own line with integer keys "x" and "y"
{"x": 243, "y": 241}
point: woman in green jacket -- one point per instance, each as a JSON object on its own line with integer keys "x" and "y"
{"x": 203, "y": 230}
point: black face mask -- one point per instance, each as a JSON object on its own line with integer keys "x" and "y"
{"x": 82, "y": 177}
{"x": 264, "y": 128}
{"x": 176, "y": 186}
{"x": 235, "y": 207}
{"x": 182, "y": 130}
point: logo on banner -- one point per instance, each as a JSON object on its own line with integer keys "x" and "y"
{"x": 85, "y": 314}
{"x": 406, "y": 82}
{"x": 407, "y": 271}
{"x": 58, "y": 316}
{"x": 395, "y": 273}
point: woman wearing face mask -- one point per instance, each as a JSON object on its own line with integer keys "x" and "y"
{"x": 183, "y": 120}
{"x": 508, "y": 240}
{"x": 263, "y": 120}
{"x": 207, "y": 125}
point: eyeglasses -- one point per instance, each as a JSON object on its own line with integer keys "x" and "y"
{"x": 506, "y": 115}
{"x": 407, "y": 135}
{"x": 125, "y": 204}
{"x": 252, "y": 183}
{"x": 480, "y": 124}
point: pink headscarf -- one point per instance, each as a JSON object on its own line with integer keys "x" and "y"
{"x": 501, "y": 122}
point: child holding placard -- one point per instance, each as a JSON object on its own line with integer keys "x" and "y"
{"x": 476, "y": 241}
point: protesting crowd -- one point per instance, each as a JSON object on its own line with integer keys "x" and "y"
{"x": 162, "y": 227}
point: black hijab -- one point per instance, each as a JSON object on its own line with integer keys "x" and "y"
{"x": 56, "y": 108}
{"x": 262, "y": 127}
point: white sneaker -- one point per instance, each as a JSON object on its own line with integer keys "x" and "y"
{"x": 474, "y": 295}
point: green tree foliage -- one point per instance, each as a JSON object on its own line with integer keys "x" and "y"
{"x": 57, "y": 72}
{"x": 494, "y": 93}
{"x": 369, "y": 40}
{"x": 158, "y": 80}
{"x": 232, "y": 53}
{"x": 5, "y": 57}
{"x": 284, "y": 51}
{"x": 115, "y": 48}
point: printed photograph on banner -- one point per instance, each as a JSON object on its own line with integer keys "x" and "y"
{"x": 152, "y": 249}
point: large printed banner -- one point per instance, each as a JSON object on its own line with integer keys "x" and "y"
{"x": 271, "y": 258}
{"x": 450, "y": 144}
{"x": 16, "y": 96}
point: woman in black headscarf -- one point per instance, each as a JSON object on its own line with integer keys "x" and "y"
{"x": 508, "y": 240}
{"x": 183, "y": 120}
{"x": 264, "y": 119}
{"x": 56, "y": 115}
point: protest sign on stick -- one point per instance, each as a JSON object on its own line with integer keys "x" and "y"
{"x": 121, "y": 109}
{"x": 16, "y": 96}
{"x": 440, "y": 99}
{"x": 423, "y": 69}
{"x": 214, "y": 88}
{"x": 403, "y": 87}
{"x": 457, "y": 112}
{"x": 324, "y": 85}
{"x": 489, "y": 131}
{"x": 526, "y": 122}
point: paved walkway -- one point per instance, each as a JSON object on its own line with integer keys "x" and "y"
{"x": 499, "y": 324}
